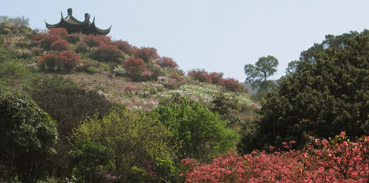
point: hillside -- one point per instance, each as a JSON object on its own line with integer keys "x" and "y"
{"x": 74, "y": 77}
{"x": 86, "y": 108}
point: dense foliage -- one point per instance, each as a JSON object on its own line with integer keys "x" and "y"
{"x": 322, "y": 98}
{"x": 139, "y": 143}
{"x": 201, "y": 133}
{"x": 28, "y": 135}
{"x": 322, "y": 161}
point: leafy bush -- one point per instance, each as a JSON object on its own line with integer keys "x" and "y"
{"x": 227, "y": 109}
{"x": 123, "y": 46}
{"x": 199, "y": 75}
{"x": 60, "y": 45}
{"x": 232, "y": 85}
{"x": 134, "y": 67}
{"x": 28, "y": 135}
{"x": 65, "y": 60}
{"x": 201, "y": 133}
{"x": 47, "y": 39}
{"x": 107, "y": 53}
{"x": 216, "y": 78}
{"x": 167, "y": 62}
{"x": 321, "y": 99}
{"x": 146, "y": 54}
{"x": 96, "y": 40}
{"x": 60, "y": 32}
{"x": 88, "y": 158}
{"x": 138, "y": 142}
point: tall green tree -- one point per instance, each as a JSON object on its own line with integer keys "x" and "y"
{"x": 259, "y": 73}
{"x": 320, "y": 99}
{"x": 27, "y": 138}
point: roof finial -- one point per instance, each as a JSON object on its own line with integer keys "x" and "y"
{"x": 70, "y": 11}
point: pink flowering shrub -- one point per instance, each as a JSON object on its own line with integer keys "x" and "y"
{"x": 124, "y": 46}
{"x": 97, "y": 40}
{"x": 134, "y": 67}
{"x": 232, "y": 85}
{"x": 107, "y": 53}
{"x": 146, "y": 54}
{"x": 200, "y": 75}
{"x": 47, "y": 39}
{"x": 337, "y": 161}
{"x": 65, "y": 60}
{"x": 60, "y": 45}
{"x": 167, "y": 62}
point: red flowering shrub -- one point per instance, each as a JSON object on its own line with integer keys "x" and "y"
{"x": 65, "y": 60}
{"x": 48, "y": 61}
{"x": 74, "y": 37}
{"x": 61, "y": 32}
{"x": 232, "y": 85}
{"x": 107, "y": 53}
{"x": 96, "y": 40}
{"x": 146, "y": 54}
{"x": 60, "y": 45}
{"x": 124, "y": 46}
{"x": 134, "y": 67}
{"x": 167, "y": 62}
{"x": 68, "y": 60}
{"x": 200, "y": 75}
{"x": 335, "y": 161}
{"x": 216, "y": 78}
{"x": 47, "y": 39}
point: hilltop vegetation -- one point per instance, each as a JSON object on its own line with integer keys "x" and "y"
{"x": 86, "y": 108}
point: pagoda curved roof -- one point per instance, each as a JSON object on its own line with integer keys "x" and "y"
{"x": 73, "y": 25}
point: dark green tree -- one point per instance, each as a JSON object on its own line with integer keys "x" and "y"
{"x": 320, "y": 99}
{"x": 259, "y": 73}
{"x": 27, "y": 138}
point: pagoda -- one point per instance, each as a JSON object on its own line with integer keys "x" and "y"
{"x": 75, "y": 26}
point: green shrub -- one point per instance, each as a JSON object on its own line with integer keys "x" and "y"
{"x": 90, "y": 161}
{"x": 138, "y": 142}
{"x": 28, "y": 135}
{"x": 201, "y": 133}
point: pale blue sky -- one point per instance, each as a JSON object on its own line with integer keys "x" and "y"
{"x": 215, "y": 35}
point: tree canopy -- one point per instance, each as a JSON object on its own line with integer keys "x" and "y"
{"x": 28, "y": 135}
{"x": 328, "y": 93}
{"x": 259, "y": 73}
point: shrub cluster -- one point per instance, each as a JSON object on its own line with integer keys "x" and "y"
{"x": 123, "y": 46}
{"x": 167, "y": 62}
{"x": 106, "y": 53}
{"x": 134, "y": 67}
{"x": 322, "y": 161}
{"x": 60, "y": 45}
{"x": 146, "y": 54}
{"x": 65, "y": 60}
{"x": 96, "y": 40}
{"x": 216, "y": 78}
